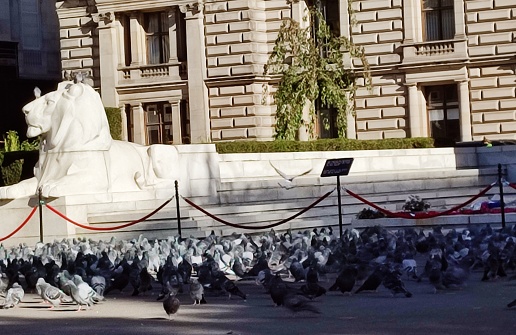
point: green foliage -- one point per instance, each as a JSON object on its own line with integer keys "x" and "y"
{"x": 311, "y": 68}
{"x": 336, "y": 144}
{"x": 11, "y": 174}
{"x": 115, "y": 122}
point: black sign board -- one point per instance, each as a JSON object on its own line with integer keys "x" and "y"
{"x": 337, "y": 167}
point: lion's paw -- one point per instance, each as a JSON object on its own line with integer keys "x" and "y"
{"x": 14, "y": 192}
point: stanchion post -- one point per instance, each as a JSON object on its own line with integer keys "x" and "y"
{"x": 41, "y": 202}
{"x": 502, "y": 202}
{"x": 176, "y": 184}
{"x": 340, "y": 208}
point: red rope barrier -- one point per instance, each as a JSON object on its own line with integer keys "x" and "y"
{"x": 234, "y": 225}
{"x": 109, "y": 228}
{"x": 20, "y": 226}
{"x": 420, "y": 215}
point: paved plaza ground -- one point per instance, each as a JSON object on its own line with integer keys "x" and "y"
{"x": 480, "y": 308}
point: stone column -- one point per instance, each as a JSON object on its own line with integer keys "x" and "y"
{"x": 172, "y": 37}
{"x": 460, "y": 24}
{"x": 465, "y": 112}
{"x": 172, "y": 34}
{"x": 415, "y": 122}
{"x": 123, "y": 117}
{"x": 197, "y": 90}
{"x": 138, "y": 50}
{"x": 108, "y": 57}
{"x": 351, "y": 130}
{"x": 409, "y": 21}
{"x": 139, "y": 133}
{"x": 176, "y": 122}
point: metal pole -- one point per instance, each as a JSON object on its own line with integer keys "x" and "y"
{"x": 40, "y": 209}
{"x": 340, "y": 209}
{"x": 177, "y": 209}
{"x": 502, "y": 202}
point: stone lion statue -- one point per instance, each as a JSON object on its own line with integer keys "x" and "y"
{"x": 77, "y": 154}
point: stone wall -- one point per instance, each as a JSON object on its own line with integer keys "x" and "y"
{"x": 239, "y": 35}
{"x": 78, "y": 38}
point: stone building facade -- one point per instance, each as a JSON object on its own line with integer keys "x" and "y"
{"x": 192, "y": 71}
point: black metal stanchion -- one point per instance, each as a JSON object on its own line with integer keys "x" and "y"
{"x": 177, "y": 209}
{"x": 340, "y": 206}
{"x": 502, "y": 202}
{"x": 41, "y": 202}
{"x": 337, "y": 167}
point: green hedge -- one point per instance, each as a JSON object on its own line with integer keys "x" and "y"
{"x": 115, "y": 122}
{"x": 323, "y": 145}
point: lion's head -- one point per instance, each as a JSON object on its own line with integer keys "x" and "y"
{"x": 72, "y": 118}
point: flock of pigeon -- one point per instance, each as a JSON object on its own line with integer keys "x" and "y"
{"x": 289, "y": 265}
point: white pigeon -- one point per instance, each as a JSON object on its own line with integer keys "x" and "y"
{"x": 14, "y": 296}
{"x": 288, "y": 179}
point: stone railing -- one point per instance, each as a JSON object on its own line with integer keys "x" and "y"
{"x": 435, "y": 48}
{"x": 173, "y": 71}
{"x": 427, "y": 52}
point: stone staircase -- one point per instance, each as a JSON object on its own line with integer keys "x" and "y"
{"x": 259, "y": 206}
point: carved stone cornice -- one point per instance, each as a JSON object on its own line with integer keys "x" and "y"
{"x": 193, "y": 8}
{"x": 106, "y": 17}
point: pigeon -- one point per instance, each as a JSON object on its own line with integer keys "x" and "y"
{"x": 373, "y": 281}
{"x": 14, "y": 296}
{"x": 278, "y": 289}
{"x": 229, "y": 286}
{"x": 171, "y": 303}
{"x": 144, "y": 282}
{"x": 80, "y": 296}
{"x": 86, "y": 290}
{"x": 4, "y": 283}
{"x": 345, "y": 281}
{"x": 51, "y": 294}
{"x": 312, "y": 289}
{"x": 120, "y": 280}
{"x": 197, "y": 292}
{"x": 288, "y": 179}
{"x": 296, "y": 270}
{"x": 392, "y": 281}
{"x": 98, "y": 283}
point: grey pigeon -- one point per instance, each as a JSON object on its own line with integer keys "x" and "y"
{"x": 87, "y": 290}
{"x": 171, "y": 303}
{"x": 51, "y": 294}
{"x": 4, "y": 283}
{"x": 14, "y": 296}
{"x": 197, "y": 292}
{"x": 98, "y": 283}
{"x": 80, "y": 297}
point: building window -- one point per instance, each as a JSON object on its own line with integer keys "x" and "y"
{"x": 185, "y": 122}
{"x": 439, "y": 20}
{"x": 326, "y": 115}
{"x": 30, "y": 15}
{"x": 158, "y": 123}
{"x": 156, "y": 30}
{"x": 125, "y": 21}
{"x": 442, "y": 105}
{"x": 181, "y": 37}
